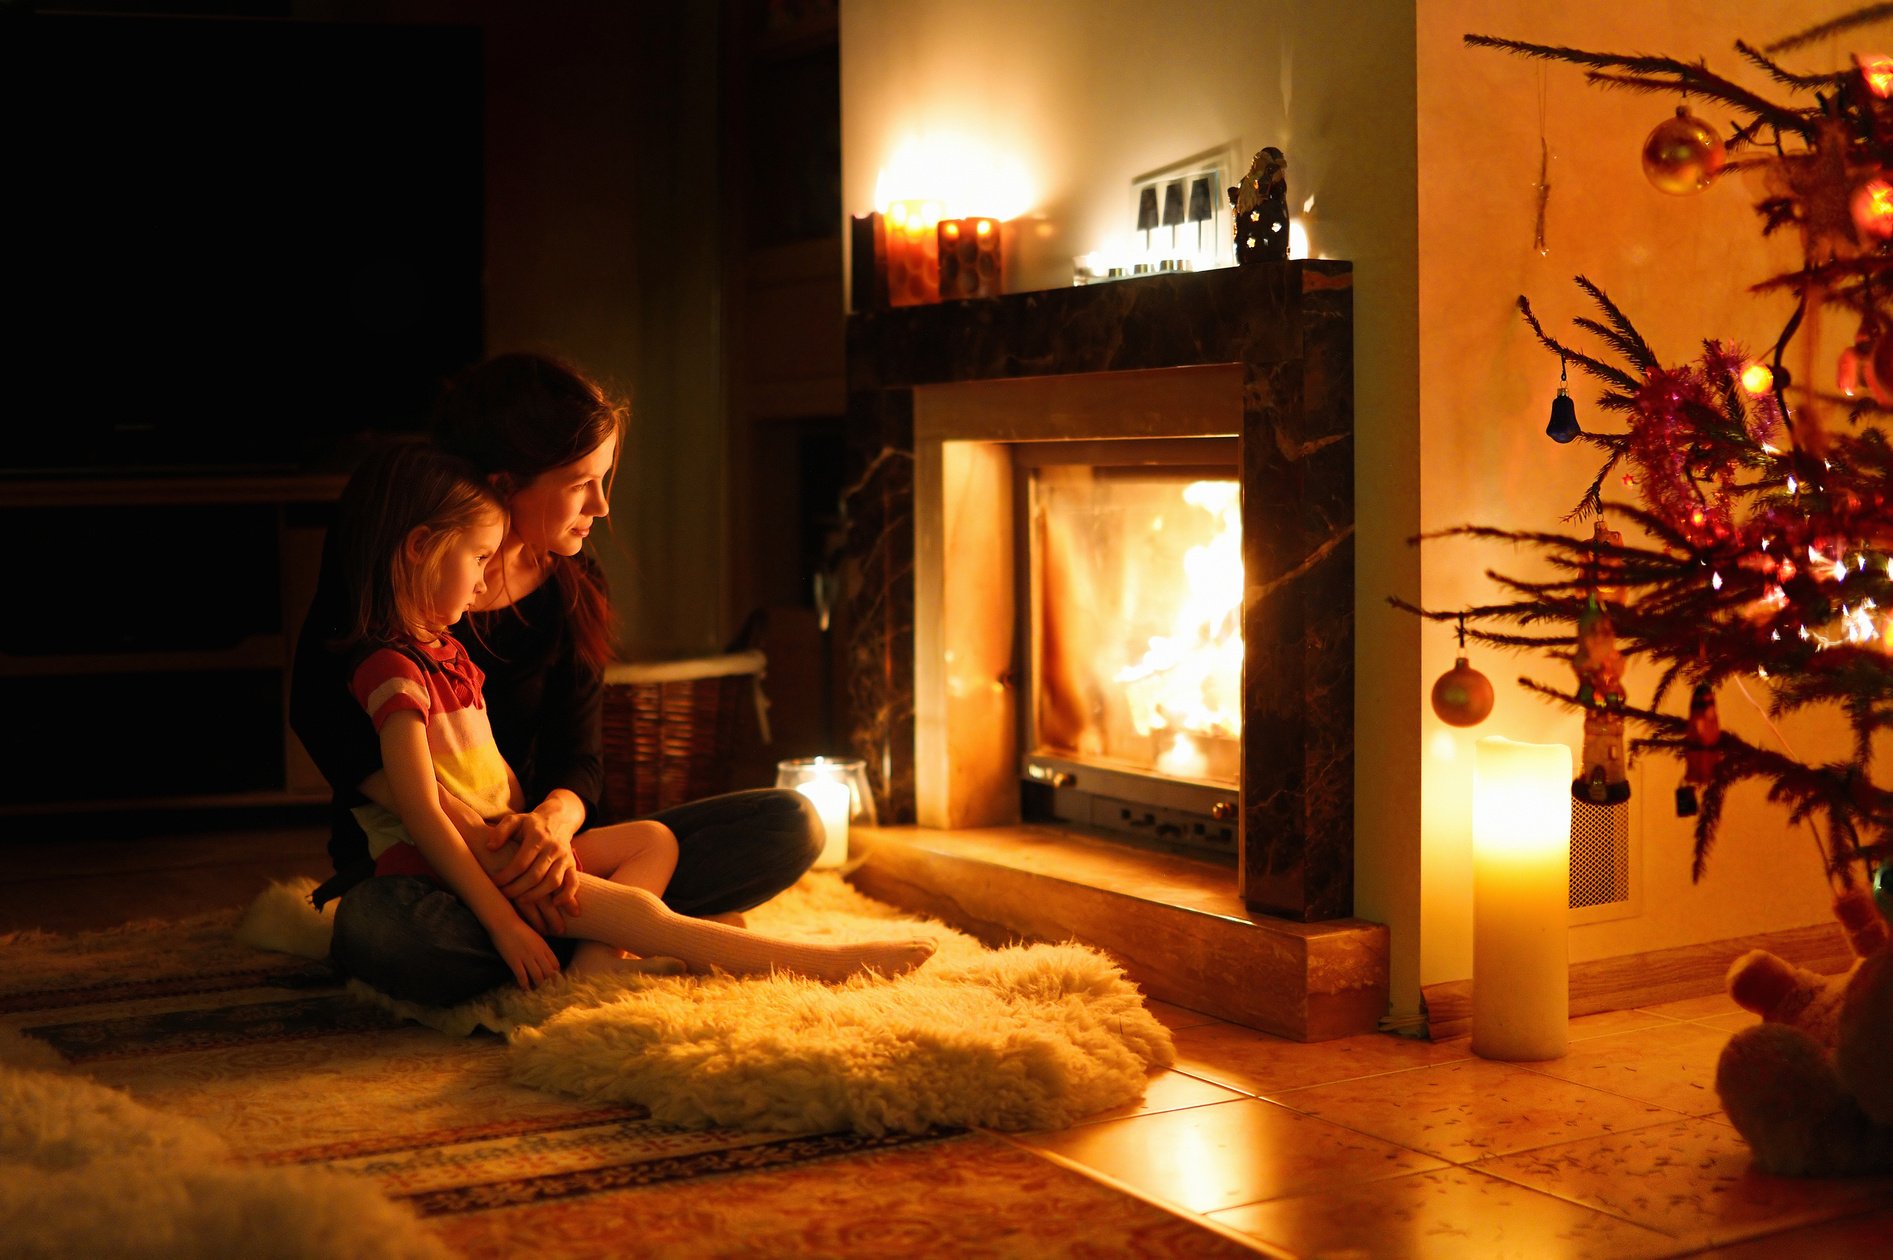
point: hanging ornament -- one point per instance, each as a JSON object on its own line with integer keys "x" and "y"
{"x": 1879, "y": 373}
{"x": 1682, "y": 154}
{"x": 1543, "y": 186}
{"x": 1462, "y": 696}
{"x": 1850, "y": 374}
{"x": 1600, "y": 669}
{"x": 1564, "y": 418}
{"x": 1702, "y": 734}
{"x": 1604, "y": 566}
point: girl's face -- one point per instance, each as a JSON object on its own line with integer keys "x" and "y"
{"x": 554, "y": 511}
{"x": 460, "y": 576}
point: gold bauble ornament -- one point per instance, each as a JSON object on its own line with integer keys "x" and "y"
{"x": 1683, "y": 154}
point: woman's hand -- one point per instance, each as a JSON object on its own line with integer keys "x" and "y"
{"x": 525, "y": 951}
{"x": 542, "y": 871}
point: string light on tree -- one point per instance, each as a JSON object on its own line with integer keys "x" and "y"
{"x": 1872, "y": 208}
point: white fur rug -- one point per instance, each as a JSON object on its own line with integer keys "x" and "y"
{"x": 85, "y": 1171}
{"x": 1026, "y": 1037}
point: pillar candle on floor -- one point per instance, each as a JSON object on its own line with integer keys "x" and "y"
{"x": 1521, "y": 887}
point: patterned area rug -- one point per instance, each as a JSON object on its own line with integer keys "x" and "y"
{"x": 289, "y": 1069}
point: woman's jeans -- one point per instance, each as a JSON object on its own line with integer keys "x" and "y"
{"x": 413, "y": 939}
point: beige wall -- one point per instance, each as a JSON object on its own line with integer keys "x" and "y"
{"x": 1088, "y": 95}
{"x": 1679, "y": 266}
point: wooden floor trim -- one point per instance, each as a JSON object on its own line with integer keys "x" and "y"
{"x": 1645, "y": 979}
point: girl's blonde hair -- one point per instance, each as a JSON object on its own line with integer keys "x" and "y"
{"x": 395, "y": 491}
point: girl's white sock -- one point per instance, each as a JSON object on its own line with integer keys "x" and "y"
{"x": 637, "y": 920}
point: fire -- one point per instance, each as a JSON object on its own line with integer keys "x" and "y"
{"x": 1188, "y": 684}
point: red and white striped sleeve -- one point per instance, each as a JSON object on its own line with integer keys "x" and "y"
{"x": 386, "y": 683}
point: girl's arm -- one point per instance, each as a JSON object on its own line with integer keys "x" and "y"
{"x": 494, "y": 845}
{"x": 417, "y": 801}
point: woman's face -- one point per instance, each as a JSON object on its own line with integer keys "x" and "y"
{"x": 554, "y": 511}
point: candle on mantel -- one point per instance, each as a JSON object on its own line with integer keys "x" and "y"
{"x": 913, "y": 252}
{"x": 970, "y": 261}
{"x": 833, "y": 802}
{"x": 1521, "y": 892}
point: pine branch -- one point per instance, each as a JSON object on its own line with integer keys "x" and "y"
{"x": 1629, "y": 348}
{"x": 1695, "y": 78}
{"x": 1833, "y": 26}
{"x": 1863, "y": 267}
{"x": 1640, "y": 350}
{"x": 1603, "y": 371}
{"x": 1782, "y": 75}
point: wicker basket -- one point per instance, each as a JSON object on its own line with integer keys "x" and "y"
{"x": 670, "y": 727}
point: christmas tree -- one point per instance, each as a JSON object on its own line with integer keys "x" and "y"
{"x": 1762, "y": 520}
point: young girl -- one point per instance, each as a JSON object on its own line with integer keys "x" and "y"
{"x": 415, "y": 531}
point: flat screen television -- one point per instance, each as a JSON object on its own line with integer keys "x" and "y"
{"x": 233, "y": 244}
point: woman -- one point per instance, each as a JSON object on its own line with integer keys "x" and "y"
{"x": 548, "y": 440}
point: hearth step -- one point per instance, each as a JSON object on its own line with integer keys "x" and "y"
{"x": 1175, "y": 924}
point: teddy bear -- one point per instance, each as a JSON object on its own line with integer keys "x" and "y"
{"x": 1811, "y": 1087}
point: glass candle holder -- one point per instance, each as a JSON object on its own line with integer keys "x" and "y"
{"x": 838, "y": 788}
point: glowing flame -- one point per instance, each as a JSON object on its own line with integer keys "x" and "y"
{"x": 967, "y": 177}
{"x": 1189, "y": 682}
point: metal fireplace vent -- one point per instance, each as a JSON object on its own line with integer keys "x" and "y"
{"x": 1602, "y": 866}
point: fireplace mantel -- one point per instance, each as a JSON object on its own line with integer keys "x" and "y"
{"x": 1287, "y": 329}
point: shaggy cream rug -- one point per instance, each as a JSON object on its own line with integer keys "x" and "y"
{"x": 85, "y": 1171}
{"x": 1027, "y": 1037}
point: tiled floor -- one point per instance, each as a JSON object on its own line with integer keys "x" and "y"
{"x": 1371, "y": 1146}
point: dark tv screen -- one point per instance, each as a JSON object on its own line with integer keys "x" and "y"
{"x": 234, "y": 244}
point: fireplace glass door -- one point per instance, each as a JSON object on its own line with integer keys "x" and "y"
{"x": 1134, "y": 722}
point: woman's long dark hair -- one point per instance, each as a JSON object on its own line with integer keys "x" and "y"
{"x": 519, "y": 415}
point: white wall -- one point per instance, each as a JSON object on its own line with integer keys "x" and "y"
{"x": 1680, "y": 267}
{"x": 1088, "y": 95}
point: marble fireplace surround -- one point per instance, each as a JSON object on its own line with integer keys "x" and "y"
{"x": 936, "y": 393}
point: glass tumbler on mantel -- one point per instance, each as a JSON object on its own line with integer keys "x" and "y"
{"x": 838, "y": 788}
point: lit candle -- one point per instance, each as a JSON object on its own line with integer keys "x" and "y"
{"x": 970, "y": 259}
{"x": 833, "y": 802}
{"x": 1521, "y": 893}
{"x": 913, "y": 252}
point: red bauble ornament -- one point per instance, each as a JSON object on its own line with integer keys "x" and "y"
{"x": 1880, "y": 371}
{"x": 1682, "y": 154}
{"x": 1462, "y": 696}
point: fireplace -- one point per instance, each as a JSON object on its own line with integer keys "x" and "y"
{"x": 1243, "y": 373}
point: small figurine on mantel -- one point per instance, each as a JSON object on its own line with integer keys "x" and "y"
{"x": 1261, "y": 206}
